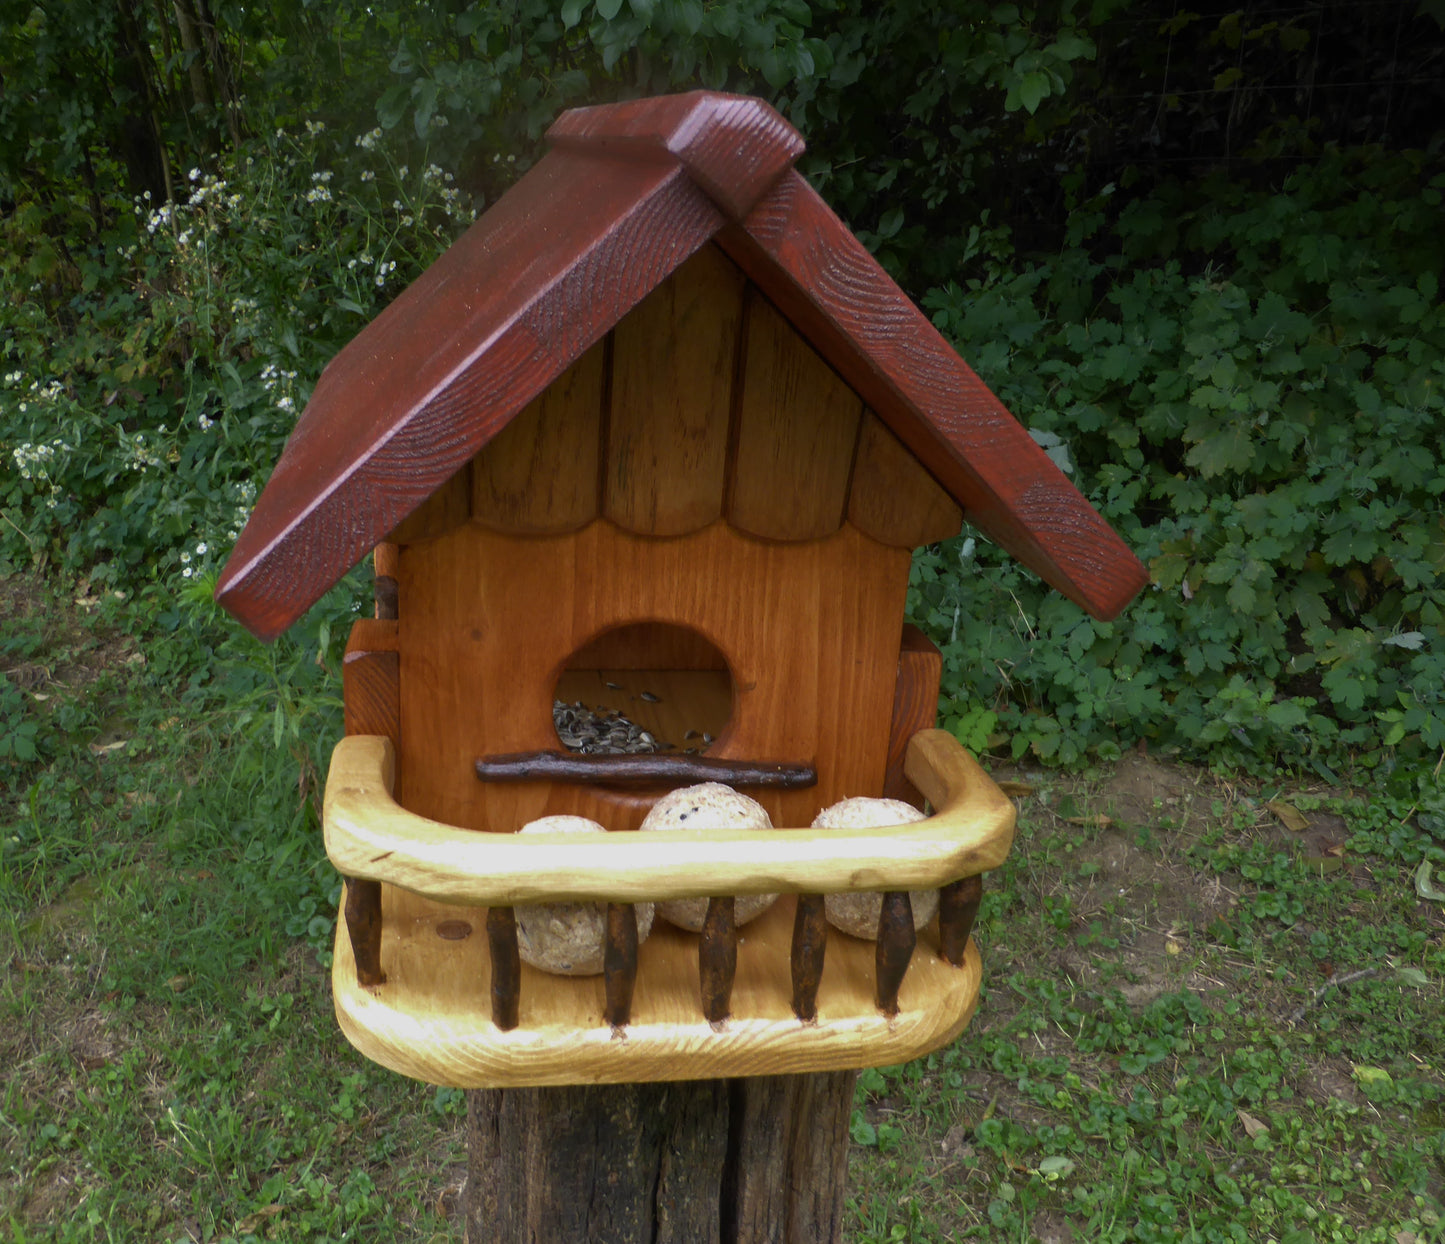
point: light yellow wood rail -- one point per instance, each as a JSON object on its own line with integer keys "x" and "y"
{"x": 369, "y": 835}
{"x": 432, "y": 1017}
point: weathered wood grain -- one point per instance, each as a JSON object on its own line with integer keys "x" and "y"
{"x": 614, "y": 1164}
{"x": 789, "y": 1175}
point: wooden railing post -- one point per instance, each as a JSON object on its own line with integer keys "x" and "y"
{"x": 957, "y": 909}
{"x": 717, "y": 955}
{"x": 810, "y": 945}
{"x": 619, "y": 963}
{"x": 896, "y": 940}
{"x": 506, "y": 966}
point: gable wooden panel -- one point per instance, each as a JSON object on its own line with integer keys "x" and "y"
{"x": 540, "y": 475}
{"x": 673, "y": 361}
{"x": 448, "y": 507}
{"x": 797, "y": 426}
{"x": 894, "y": 499}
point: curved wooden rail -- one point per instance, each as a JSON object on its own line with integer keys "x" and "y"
{"x": 369, "y": 835}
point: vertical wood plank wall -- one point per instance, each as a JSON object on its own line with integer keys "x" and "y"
{"x": 703, "y": 404}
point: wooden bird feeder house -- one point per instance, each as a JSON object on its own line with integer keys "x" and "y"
{"x": 657, "y": 436}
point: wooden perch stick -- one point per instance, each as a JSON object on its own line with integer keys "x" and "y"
{"x": 810, "y": 944}
{"x": 641, "y": 770}
{"x": 717, "y": 958}
{"x": 957, "y": 909}
{"x": 896, "y": 940}
{"x": 506, "y": 966}
{"x": 619, "y": 963}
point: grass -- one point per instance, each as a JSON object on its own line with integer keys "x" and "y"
{"x": 1162, "y": 1052}
{"x": 172, "y": 1067}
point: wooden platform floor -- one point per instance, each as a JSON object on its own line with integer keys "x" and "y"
{"x": 431, "y": 1019}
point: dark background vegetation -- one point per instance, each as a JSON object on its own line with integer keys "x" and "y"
{"x": 1196, "y": 249}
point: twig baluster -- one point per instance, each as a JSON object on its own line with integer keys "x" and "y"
{"x": 717, "y": 958}
{"x": 957, "y": 909}
{"x": 896, "y": 940}
{"x": 363, "y": 926}
{"x": 506, "y": 966}
{"x": 619, "y": 963}
{"x": 810, "y": 944}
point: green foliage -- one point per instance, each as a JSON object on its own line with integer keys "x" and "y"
{"x": 1250, "y": 389}
{"x": 913, "y": 111}
{"x": 150, "y": 380}
{"x": 1242, "y": 373}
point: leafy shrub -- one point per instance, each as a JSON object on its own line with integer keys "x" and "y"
{"x": 150, "y": 380}
{"x": 1250, "y": 389}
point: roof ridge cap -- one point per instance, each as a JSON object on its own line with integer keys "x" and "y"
{"x": 735, "y": 147}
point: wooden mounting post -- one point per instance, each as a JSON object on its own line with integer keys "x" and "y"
{"x": 714, "y": 1161}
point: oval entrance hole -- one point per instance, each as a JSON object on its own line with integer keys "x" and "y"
{"x": 648, "y": 687}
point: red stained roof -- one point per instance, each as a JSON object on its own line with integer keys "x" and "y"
{"x": 626, "y": 193}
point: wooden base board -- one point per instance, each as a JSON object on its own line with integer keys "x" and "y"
{"x": 431, "y": 1018}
